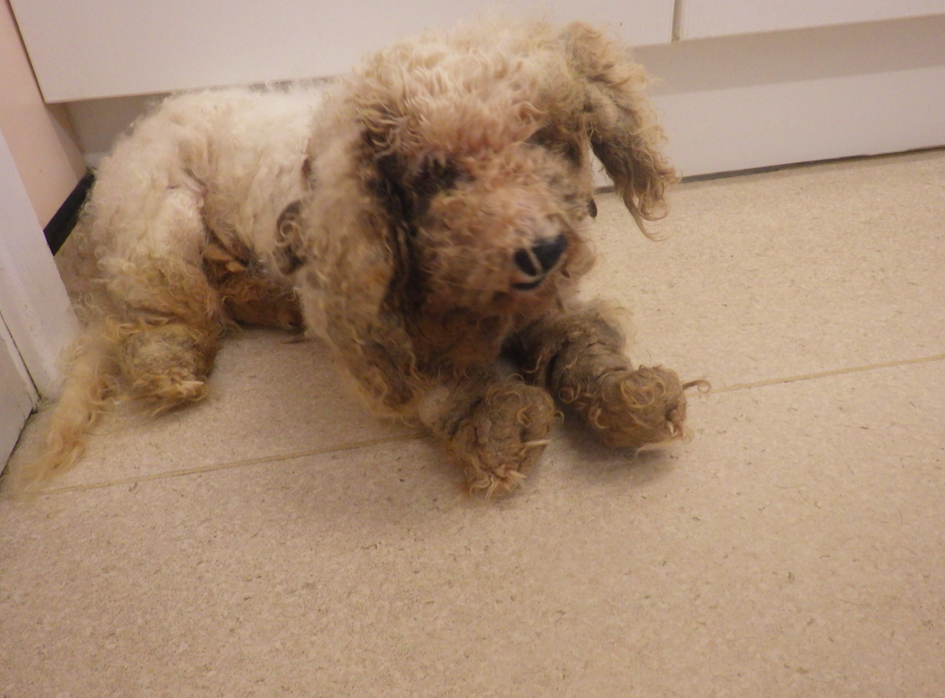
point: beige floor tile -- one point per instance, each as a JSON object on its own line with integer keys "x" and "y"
{"x": 785, "y": 273}
{"x": 794, "y": 548}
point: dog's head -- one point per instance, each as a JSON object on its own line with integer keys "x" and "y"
{"x": 472, "y": 157}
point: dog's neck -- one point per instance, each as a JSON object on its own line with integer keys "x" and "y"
{"x": 458, "y": 339}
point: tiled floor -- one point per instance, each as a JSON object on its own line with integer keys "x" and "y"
{"x": 275, "y": 540}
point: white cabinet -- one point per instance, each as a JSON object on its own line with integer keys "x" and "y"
{"x": 745, "y": 84}
{"x": 712, "y": 18}
{"x": 761, "y": 100}
{"x": 103, "y": 48}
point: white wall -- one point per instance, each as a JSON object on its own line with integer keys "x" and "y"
{"x": 41, "y": 139}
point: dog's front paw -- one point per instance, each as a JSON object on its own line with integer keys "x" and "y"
{"x": 632, "y": 408}
{"x": 502, "y": 437}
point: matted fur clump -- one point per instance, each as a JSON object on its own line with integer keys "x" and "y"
{"x": 425, "y": 218}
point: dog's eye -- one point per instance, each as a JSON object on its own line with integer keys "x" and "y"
{"x": 572, "y": 151}
{"x": 560, "y": 143}
{"x": 437, "y": 175}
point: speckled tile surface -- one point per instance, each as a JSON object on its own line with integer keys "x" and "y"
{"x": 277, "y": 541}
{"x": 787, "y": 273}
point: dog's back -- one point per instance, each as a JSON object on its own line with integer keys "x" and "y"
{"x": 233, "y": 156}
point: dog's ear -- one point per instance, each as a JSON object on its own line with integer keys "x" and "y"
{"x": 352, "y": 224}
{"x": 619, "y": 121}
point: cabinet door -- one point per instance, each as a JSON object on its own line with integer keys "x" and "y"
{"x": 709, "y": 18}
{"x": 103, "y": 48}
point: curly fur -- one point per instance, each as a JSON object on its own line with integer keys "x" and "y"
{"x": 425, "y": 218}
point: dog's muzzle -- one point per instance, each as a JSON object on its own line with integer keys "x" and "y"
{"x": 536, "y": 261}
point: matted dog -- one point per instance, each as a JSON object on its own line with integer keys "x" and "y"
{"x": 425, "y": 218}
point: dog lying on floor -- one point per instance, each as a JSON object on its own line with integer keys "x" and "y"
{"x": 425, "y": 218}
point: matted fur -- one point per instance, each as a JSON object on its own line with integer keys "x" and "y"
{"x": 428, "y": 217}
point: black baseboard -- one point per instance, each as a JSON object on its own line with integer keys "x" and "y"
{"x": 61, "y": 224}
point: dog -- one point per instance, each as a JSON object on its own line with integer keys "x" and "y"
{"x": 427, "y": 219}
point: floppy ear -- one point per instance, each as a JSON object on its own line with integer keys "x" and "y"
{"x": 352, "y": 265}
{"x": 619, "y": 121}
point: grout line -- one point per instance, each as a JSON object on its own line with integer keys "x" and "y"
{"x": 709, "y": 176}
{"x": 826, "y": 374}
{"x": 181, "y": 472}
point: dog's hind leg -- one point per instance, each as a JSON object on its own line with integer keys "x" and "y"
{"x": 140, "y": 351}
{"x": 159, "y": 357}
{"x": 166, "y": 364}
{"x": 161, "y": 311}
{"x": 167, "y": 331}
{"x": 250, "y": 294}
{"x": 579, "y": 358}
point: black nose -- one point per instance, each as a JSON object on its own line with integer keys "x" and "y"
{"x": 548, "y": 252}
{"x": 542, "y": 257}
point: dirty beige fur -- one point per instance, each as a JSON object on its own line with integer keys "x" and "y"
{"x": 424, "y": 219}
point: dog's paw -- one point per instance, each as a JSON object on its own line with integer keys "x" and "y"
{"x": 629, "y": 409}
{"x": 503, "y": 436}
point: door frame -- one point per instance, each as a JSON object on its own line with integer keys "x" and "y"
{"x": 35, "y": 313}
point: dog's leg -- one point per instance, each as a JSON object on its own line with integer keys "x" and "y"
{"x": 165, "y": 330}
{"x": 158, "y": 358}
{"x": 495, "y": 430}
{"x": 578, "y": 357}
{"x": 166, "y": 364}
{"x": 250, "y": 295}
